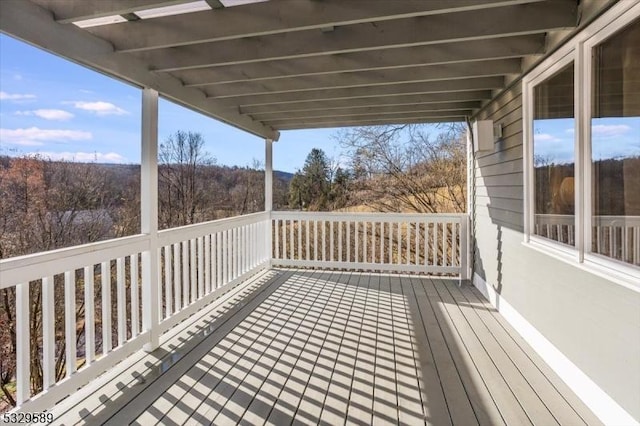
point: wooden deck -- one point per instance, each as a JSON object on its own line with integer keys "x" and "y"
{"x": 308, "y": 347}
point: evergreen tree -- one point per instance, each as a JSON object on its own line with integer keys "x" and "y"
{"x": 340, "y": 188}
{"x": 310, "y": 187}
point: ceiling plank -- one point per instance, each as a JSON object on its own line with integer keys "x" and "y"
{"x": 370, "y": 79}
{"x": 66, "y": 11}
{"x": 369, "y": 111}
{"x": 460, "y": 26}
{"x": 445, "y": 86}
{"x": 376, "y": 101}
{"x": 274, "y": 17}
{"x": 499, "y": 48}
{"x": 35, "y": 25}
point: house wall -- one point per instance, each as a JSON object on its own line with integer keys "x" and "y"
{"x": 592, "y": 321}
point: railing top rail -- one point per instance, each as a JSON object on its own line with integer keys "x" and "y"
{"x": 602, "y": 220}
{"x": 67, "y": 252}
{"x": 372, "y": 217}
{"x": 29, "y": 267}
{"x": 174, "y": 235}
{"x": 616, "y": 220}
{"x": 34, "y": 266}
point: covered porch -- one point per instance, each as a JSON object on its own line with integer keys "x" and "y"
{"x": 290, "y": 317}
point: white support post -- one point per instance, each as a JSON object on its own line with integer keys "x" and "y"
{"x": 268, "y": 194}
{"x": 268, "y": 175}
{"x": 149, "y": 217}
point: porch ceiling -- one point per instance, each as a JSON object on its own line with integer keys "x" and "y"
{"x": 291, "y": 64}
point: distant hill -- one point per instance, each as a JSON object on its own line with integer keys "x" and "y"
{"x": 278, "y": 174}
{"x": 285, "y": 176}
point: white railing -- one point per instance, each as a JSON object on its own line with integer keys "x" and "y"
{"x": 557, "y": 227}
{"x": 395, "y": 242}
{"x": 617, "y": 237}
{"x": 77, "y": 313}
{"x": 198, "y": 260}
{"x": 83, "y": 330}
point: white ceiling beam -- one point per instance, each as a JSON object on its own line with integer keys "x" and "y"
{"x": 379, "y": 117}
{"x": 347, "y": 122}
{"x": 66, "y": 11}
{"x": 445, "y": 86}
{"x": 459, "y": 26}
{"x": 370, "y": 102}
{"x": 369, "y": 111}
{"x": 35, "y": 25}
{"x": 274, "y": 17}
{"x": 370, "y": 79}
{"x": 499, "y": 48}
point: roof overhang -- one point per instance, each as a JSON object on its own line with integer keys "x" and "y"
{"x": 278, "y": 65}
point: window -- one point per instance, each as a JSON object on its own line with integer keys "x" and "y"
{"x": 615, "y": 146}
{"x": 581, "y": 110}
{"x": 554, "y": 156}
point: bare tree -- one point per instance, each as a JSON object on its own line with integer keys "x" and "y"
{"x": 182, "y": 189}
{"x": 404, "y": 168}
{"x": 247, "y": 195}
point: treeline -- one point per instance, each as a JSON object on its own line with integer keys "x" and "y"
{"x": 401, "y": 168}
{"x": 616, "y": 187}
{"x": 47, "y": 204}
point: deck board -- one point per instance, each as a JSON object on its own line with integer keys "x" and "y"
{"x": 337, "y": 400}
{"x": 513, "y": 375}
{"x": 497, "y": 384}
{"x": 360, "y": 405}
{"x": 406, "y": 371}
{"x": 439, "y": 380}
{"x": 321, "y": 347}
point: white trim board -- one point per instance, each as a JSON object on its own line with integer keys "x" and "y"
{"x": 602, "y": 405}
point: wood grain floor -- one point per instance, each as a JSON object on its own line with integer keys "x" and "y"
{"x": 314, "y": 347}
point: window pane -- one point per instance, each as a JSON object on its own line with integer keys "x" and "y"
{"x": 553, "y": 157}
{"x": 615, "y": 146}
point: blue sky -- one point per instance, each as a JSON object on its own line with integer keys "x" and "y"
{"x": 612, "y": 137}
{"x": 58, "y": 109}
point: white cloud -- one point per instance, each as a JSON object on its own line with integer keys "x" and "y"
{"x": 34, "y": 136}
{"x": 85, "y": 157}
{"x": 606, "y": 130}
{"x": 99, "y": 108}
{"x": 545, "y": 137}
{"x": 48, "y": 114}
{"x": 4, "y": 96}
{"x": 609, "y": 130}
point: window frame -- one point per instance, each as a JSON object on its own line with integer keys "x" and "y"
{"x": 548, "y": 68}
{"x": 578, "y": 50}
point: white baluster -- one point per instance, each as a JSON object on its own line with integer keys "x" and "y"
{"x": 48, "y": 333}
{"x": 70, "y": 323}
{"x": 135, "y": 304}
{"x": 105, "y": 277}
